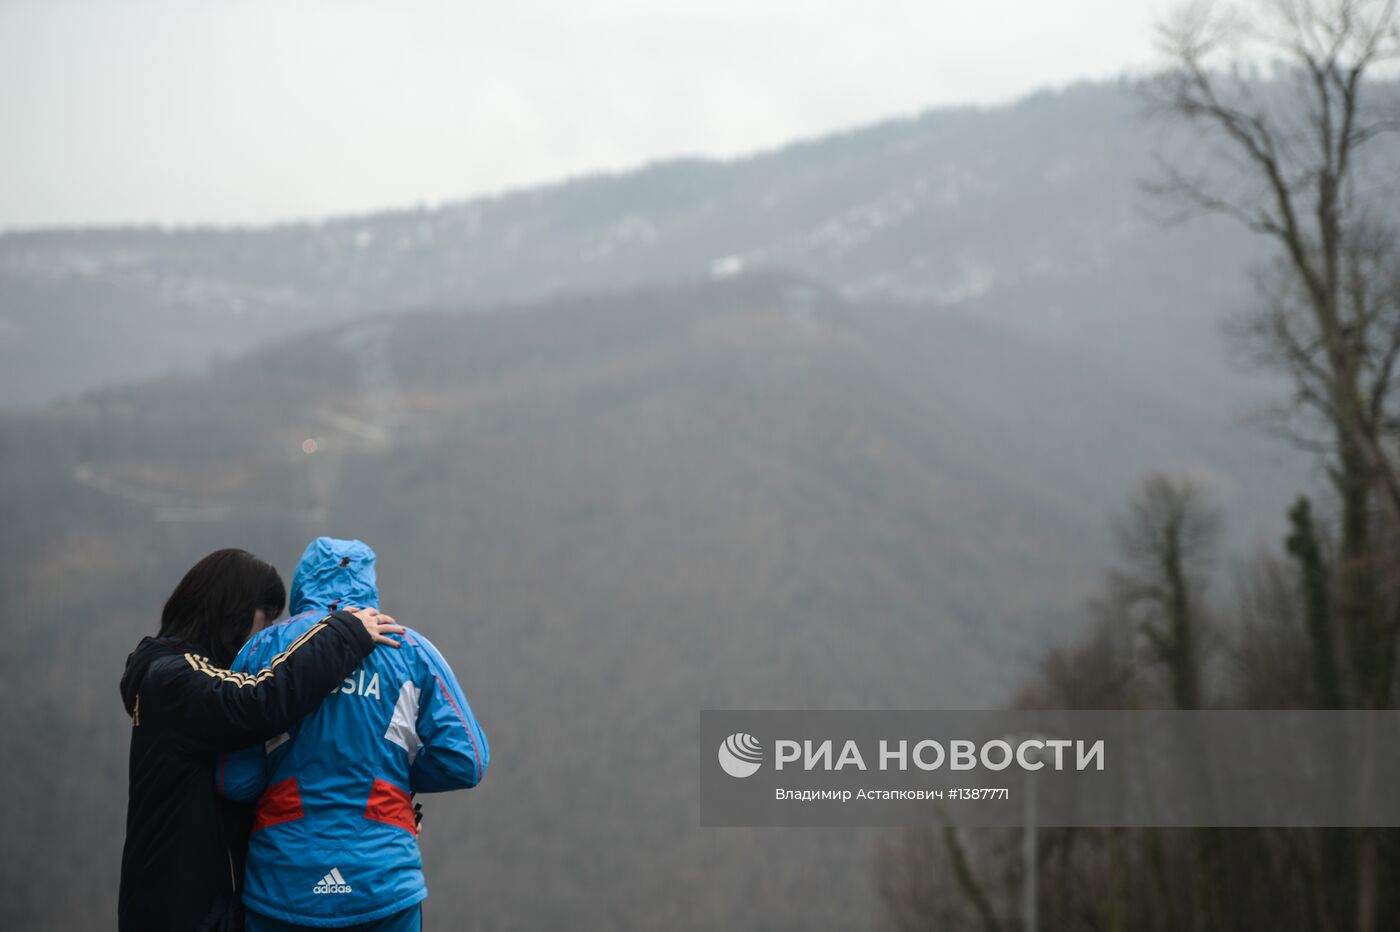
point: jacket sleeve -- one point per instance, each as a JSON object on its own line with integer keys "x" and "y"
{"x": 231, "y": 710}
{"x": 242, "y": 775}
{"x": 454, "y": 752}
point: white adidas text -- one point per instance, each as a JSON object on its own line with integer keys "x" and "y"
{"x": 332, "y": 883}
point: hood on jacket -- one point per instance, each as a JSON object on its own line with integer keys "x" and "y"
{"x": 137, "y": 663}
{"x": 331, "y": 571}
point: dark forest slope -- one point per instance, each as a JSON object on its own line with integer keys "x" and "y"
{"x": 610, "y": 511}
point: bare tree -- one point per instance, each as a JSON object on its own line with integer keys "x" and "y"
{"x": 1299, "y": 146}
{"x": 1302, "y": 170}
{"x": 1168, "y": 539}
{"x": 926, "y": 880}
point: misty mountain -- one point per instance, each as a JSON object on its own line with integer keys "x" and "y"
{"x": 610, "y": 511}
{"x": 841, "y": 425}
{"x": 1025, "y": 214}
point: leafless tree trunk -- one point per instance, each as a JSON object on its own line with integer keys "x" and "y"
{"x": 1330, "y": 317}
{"x": 1168, "y": 539}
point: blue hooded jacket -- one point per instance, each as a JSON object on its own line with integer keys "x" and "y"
{"x": 334, "y": 841}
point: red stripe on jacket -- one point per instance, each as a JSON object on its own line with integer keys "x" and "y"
{"x": 390, "y": 804}
{"x": 280, "y": 802}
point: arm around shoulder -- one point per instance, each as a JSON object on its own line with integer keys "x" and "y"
{"x": 232, "y": 710}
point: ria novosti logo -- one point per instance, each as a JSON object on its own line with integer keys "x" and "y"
{"x": 740, "y": 755}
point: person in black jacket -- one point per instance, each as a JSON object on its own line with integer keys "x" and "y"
{"x": 182, "y": 861}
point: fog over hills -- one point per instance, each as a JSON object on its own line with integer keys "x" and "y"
{"x": 1028, "y": 212}
{"x": 841, "y": 426}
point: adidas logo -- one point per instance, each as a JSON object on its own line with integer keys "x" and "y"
{"x": 332, "y": 883}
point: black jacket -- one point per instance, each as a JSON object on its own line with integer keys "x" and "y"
{"x": 182, "y": 863}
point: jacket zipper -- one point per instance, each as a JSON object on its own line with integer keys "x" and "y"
{"x": 232, "y": 877}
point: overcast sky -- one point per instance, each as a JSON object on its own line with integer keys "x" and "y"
{"x": 183, "y": 111}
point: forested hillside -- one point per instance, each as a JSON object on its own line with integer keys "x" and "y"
{"x": 610, "y": 511}
{"x": 1028, "y": 214}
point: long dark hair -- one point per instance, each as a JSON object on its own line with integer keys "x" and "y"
{"x": 212, "y": 607}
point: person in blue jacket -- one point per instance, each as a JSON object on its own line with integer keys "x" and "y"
{"x": 334, "y": 840}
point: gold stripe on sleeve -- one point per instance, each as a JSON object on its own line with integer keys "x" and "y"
{"x": 202, "y": 664}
